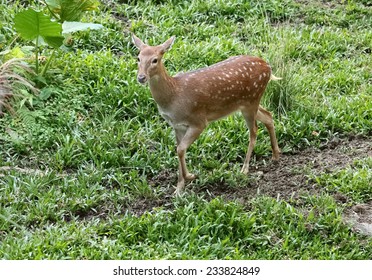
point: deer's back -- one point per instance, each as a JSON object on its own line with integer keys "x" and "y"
{"x": 224, "y": 86}
{"x": 245, "y": 75}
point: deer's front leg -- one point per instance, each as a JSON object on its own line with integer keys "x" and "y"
{"x": 180, "y": 133}
{"x": 184, "y": 140}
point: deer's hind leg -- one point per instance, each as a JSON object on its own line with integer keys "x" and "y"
{"x": 266, "y": 118}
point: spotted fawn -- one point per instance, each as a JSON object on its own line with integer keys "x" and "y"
{"x": 191, "y": 100}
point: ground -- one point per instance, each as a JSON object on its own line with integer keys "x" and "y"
{"x": 287, "y": 179}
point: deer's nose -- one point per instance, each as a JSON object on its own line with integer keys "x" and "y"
{"x": 141, "y": 78}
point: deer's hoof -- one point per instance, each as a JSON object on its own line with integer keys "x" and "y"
{"x": 245, "y": 169}
{"x": 190, "y": 176}
{"x": 178, "y": 192}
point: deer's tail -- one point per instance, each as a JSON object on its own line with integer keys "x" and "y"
{"x": 274, "y": 78}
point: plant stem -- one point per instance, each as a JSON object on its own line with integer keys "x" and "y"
{"x": 50, "y": 10}
{"x": 48, "y": 63}
{"x": 12, "y": 42}
{"x": 37, "y": 56}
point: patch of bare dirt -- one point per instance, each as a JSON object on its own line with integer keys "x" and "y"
{"x": 143, "y": 205}
{"x": 288, "y": 178}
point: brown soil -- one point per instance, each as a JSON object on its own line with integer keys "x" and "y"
{"x": 287, "y": 179}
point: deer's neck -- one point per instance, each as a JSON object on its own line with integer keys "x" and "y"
{"x": 162, "y": 87}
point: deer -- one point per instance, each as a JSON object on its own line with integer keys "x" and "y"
{"x": 189, "y": 101}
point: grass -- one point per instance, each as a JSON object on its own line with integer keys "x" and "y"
{"x": 91, "y": 143}
{"x": 354, "y": 182}
{"x": 197, "y": 229}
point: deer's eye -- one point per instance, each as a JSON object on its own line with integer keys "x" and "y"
{"x": 154, "y": 61}
{"x": 138, "y": 59}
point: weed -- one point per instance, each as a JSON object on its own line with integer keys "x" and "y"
{"x": 10, "y": 81}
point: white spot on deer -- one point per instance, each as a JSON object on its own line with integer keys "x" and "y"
{"x": 219, "y": 91}
{"x": 252, "y": 63}
{"x": 243, "y": 75}
{"x": 260, "y": 77}
{"x": 250, "y": 69}
{"x": 255, "y": 84}
{"x": 264, "y": 74}
{"x": 244, "y": 68}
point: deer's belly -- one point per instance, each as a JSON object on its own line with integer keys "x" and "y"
{"x": 172, "y": 120}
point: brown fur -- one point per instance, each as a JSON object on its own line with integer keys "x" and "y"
{"x": 189, "y": 101}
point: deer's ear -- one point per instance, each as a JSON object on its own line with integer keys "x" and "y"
{"x": 167, "y": 45}
{"x": 137, "y": 42}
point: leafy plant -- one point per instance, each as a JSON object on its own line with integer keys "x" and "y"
{"x": 35, "y": 26}
{"x": 42, "y": 29}
{"x": 70, "y": 10}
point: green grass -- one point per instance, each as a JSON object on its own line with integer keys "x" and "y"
{"x": 96, "y": 136}
{"x": 355, "y": 182}
{"x": 197, "y": 229}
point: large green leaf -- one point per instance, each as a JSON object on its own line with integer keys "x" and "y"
{"x": 73, "y": 26}
{"x": 71, "y": 10}
{"x": 54, "y": 42}
{"x": 31, "y": 24}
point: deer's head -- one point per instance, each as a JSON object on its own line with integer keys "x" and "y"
{"x": 149, "y": 58}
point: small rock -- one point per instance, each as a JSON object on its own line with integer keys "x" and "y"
{"x": 364, "y": 228}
